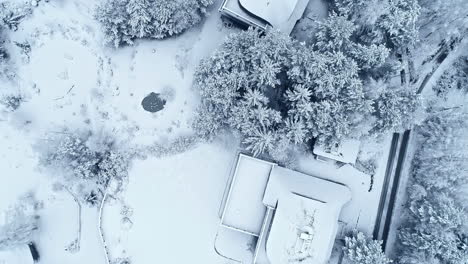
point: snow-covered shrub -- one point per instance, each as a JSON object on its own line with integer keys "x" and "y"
{"x": 11, "y": 102}
{"x": 18, "y": 232}
{"x": 367, "y": 166}
{"x": 13, "y": 12}
{"x": 21, "y": 224}
{"x": 3, "y": 52}
{"x": 176, "y": 146}
{"x": 360, "y": 249}
{"x": 126, "y": 20}
{"x": 456, "y": 77}
{"x": 87, "y": 162}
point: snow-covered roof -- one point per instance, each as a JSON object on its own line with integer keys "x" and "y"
{"x": 244, "y": 210}
{"x": 347, "y": 151}
{"x": 303, "y": 204}
{"x": 284, "y": 180}
{"x": 233, "y": 9}
{"x": 280, "y": 14}
{"x": 302, "y": 228}
{"x": 296, "y": 197}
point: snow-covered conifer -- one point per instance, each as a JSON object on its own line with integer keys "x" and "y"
{"x": 360, "y": 249}
{"x": 261, "y": 141}
{"x": 396, "y": 109}
{"x": 123, "y": 21}
{"x": 139, "y": 17}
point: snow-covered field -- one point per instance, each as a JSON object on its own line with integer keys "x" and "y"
{"x": 175, "y": 202}
{"x": 69, "y": 79}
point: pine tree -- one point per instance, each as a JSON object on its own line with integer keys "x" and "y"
{"x": 139, "y": 18}
{"x": 360, "y": 249}
{"x": 396, "y": 109}
{"x": 113, "y": 17}
{"x": 440, "y": 163}
{"x": 123, "y": 21}
{"x": 338, "y": 33}
{"x": 296, "y": 130}
{"x": 435, "y": 229}
{"x": 261, "y": 141}
{"x": 400, "y": 23}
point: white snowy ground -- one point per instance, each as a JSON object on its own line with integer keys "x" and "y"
{"x": 59, "y": 215}
{"x": 70, "y": 80}
{"x": 175, "y": 202}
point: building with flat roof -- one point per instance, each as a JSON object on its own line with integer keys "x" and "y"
{"x": 279, "y": 14}
{"x": 294, "y": 216}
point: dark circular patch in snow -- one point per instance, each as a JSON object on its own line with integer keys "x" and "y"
{"x": 153, "y": 103}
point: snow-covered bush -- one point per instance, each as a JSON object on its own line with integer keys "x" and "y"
{"x": 3, "y": 52}
{"x": 173, "y": 147}
{"x": 126, "y": 20}
{"x": 11, "y": 102}
{"x": 87, "y": 162}
{"x": 455, "y": 77}
{"x": 360, "y": 249}
{"x": 18, "y": 232}
{"x": 21, "y": 224}
{"x": 13, "y": 12}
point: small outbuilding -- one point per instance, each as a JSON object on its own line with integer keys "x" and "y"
{"x": 346, "y": 151}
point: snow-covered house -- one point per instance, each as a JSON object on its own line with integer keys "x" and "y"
{"x": 347, "y": 151}
{"x": 279, "y": 14}
{"x": 293, "y": 215}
